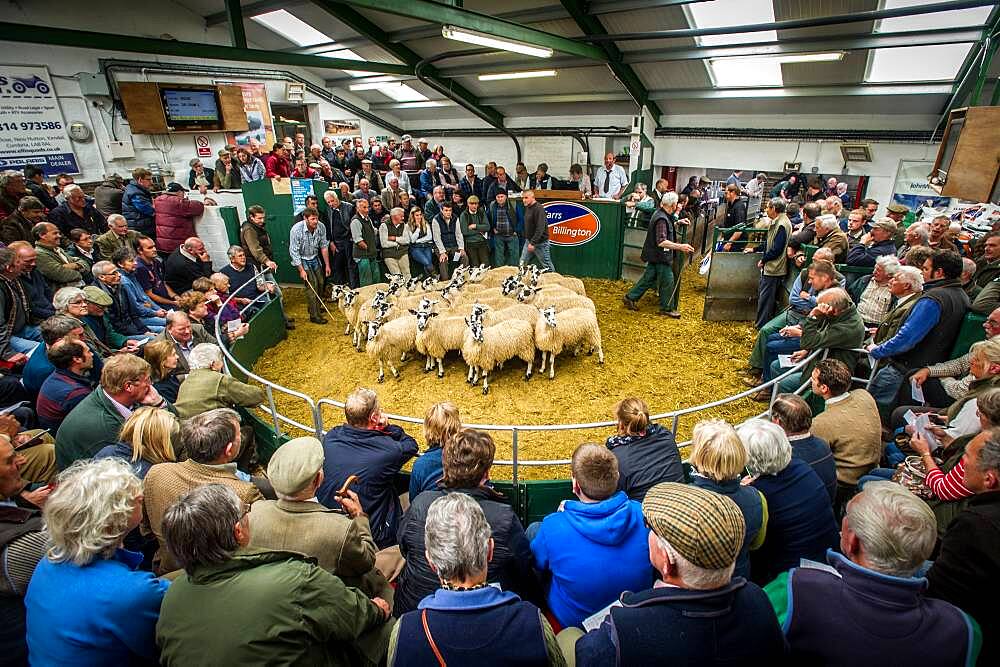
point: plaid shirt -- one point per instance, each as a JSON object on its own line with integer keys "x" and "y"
{"x": 303, "y": 244}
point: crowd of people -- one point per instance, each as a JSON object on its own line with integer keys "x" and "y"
{"x": 138, "y": 524}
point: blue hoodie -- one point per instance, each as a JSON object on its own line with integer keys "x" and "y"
{"x": 594, "y": 551}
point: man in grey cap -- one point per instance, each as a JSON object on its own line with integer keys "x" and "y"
{"x": 879, "y": 241}
{"x": 897, "y": 212}
{"x": 342, "y": 545}
{"x": 696, "y": 613}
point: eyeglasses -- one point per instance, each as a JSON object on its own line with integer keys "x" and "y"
{"x": 246, "y": 510}
{"x": 77, "y": 302}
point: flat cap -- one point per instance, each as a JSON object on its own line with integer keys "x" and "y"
{"x": 898, "y": 208}
{"x": 96, "y": 295}
{"x": 295, "y": 464}
{"x": 885, "y": 224}
{"x": 705, "y": 528}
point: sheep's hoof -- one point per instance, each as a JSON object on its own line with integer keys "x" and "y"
{"x": 486, "y": 390}
{"x": 440, "y": 376}
{"x": 426, "y": 370}
{"x": 381, "y": 379}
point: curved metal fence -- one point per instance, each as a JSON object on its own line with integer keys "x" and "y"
{"x": 315, "y": 406}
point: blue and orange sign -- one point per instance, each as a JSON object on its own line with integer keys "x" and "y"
{"x": 571, "y": 224}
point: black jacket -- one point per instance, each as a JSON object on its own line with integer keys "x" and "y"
{"x": 179, "y": 271}
{"x": 736, "y": 213}
{"x": 65, "y": 219}
{"x": 123, "y": 313}
{"x": 645, "y": 461}
{"x": 965, "y": 572}
{"x": 511, "y": 564}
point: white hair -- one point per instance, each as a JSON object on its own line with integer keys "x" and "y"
{"x": 912, "y": 276}
{"x": 457, "y": 537}
{"x": 392, "y": 178}
{"x": 693, "y": 576}
{"x": 71, "y": 188}
{"x": 329, "y": 194}
{"x": 102, "y": 267}
{"x": 827, "y": 221}
{"x": 968, "y": 266}
{"x": 897, "y": 530}
{"x": 889, "y": 263}
{"x": 768, "y": 449}
{"x": 836, "y": 297}
{"x": 115, "y": 217}
{"x": 431, "y": 163}
{"x": 669, "y": 198}
{"x": 204, "y": 355}
{"x": 922, "y": 230}
{"x": 63, "y": 296}
{"x": 89, "y": 511}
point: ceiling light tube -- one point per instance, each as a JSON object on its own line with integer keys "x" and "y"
{"x": 375, "y": 85}
{"x": 811, "y": 57}
{"x": 481, "y": 39}
{"x": 517, "y": 75}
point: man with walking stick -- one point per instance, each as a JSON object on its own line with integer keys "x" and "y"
{"x": 306, "y": 245}
{"x": 658, "y": 252}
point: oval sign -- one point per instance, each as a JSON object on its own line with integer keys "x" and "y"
{"x": 571, "y": 224}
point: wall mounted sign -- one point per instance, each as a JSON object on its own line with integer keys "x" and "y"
{"x": 571, "y": 224}
{"x": 32, "y": 128}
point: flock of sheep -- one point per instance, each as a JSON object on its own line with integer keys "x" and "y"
{"x": 490, "y": 316}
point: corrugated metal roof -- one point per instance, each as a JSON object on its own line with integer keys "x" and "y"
{"x": 574, "y": 80}
{"x": 677, "y": 74}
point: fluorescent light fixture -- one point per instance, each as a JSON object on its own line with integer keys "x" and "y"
{"x": 375, "y": 85}
{"x": 291, "y": 27}
{"x": 809, "y": 57}
{"x": 517, "y": 75}
{"x": 729, "y": 13}
{"x": 482, "y": 39}
{"x": 938, "y": 62}
{"x": 425, "y": 104}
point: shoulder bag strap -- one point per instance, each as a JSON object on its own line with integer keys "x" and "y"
{"x": 430, "y": 639}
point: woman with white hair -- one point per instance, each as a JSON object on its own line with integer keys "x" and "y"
{"x": 466, "y": 619}
{"x": 800, "y": 522}
{"x": 87, "y": 604}
{"x": 207, "y": 387}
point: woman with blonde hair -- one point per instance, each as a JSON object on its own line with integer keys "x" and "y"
{"x": 88, "y": 604}
{"x": 144, "y": 440}
{"x": 421, "y": 241}
{"x": 718, "y": 459}
{"x": 441, "y": 423}
{"x": 162, "y": 358}
{"x": 646, "y": 452}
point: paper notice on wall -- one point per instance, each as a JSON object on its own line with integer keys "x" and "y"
{"x": 32, "y": 128}
{"x": 301, "y": 188}
{"x": 281, "y": 186}
{"x": 258, "y": 116}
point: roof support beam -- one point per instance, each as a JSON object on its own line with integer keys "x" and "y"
{"x": 434, "y": 12}
{"x": 21, "y": 32}
{"x": 792, "y": 24}
{"x": 253, "y": 9}
{"x": 783, "y": 47}
{"x": 847, "y": 90}
{"x": 358, "y": 22}
{"x": 591, "y": 25}
{"x": 237, "y": 32}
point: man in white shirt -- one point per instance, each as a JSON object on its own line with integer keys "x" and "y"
{"x": 610, "y": 180}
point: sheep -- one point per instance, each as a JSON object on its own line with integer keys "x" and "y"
{"x": 349, "y": 305}
{"x": 575, "y": 327}
{"x": 379, "y": 305}
{"x": 496, "y": 277}
{"x": 387, "y": 340}
{"x": 437, "y": 333}
{"x": 569, "y": 282}
{"x": 558, "y": 299}
{"x": 527, "y": 294}
{"x": 477, "y": 273}
{"x": 518, "y": 311}
{"x": 484, "y": 347}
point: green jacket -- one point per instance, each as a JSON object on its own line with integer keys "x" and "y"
{"x": 839, "y": 334}
{"x": 93, "y": 424}
{"x": 50, "y": 265}
{"x": 894, "y": 319}
{"x": 205, "y": 389}
{"x": 779, "y": 265}
{"x": 263, "y": 607}
{"x": 477, "y": 235}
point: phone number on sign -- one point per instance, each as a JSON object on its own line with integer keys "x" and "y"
{"x": 33, "y": 125}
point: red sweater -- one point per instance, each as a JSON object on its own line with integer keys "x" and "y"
{"x": 275, "y": 165}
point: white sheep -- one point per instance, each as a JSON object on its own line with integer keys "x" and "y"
{"x": 388, "y": 340}
{"x": 519, "y": 311}
{"x": 378, "y": 306}
{"x": 575, "y": 328}
{"x": 495, "y": 277}
{"x": 483, "y": 347}
{"x": 569, "y": 282}
{"x": 558, "y": 299}
{"x": 437, "y": 334}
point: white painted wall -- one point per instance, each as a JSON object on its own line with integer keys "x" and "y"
{"x": 172, "y": 151}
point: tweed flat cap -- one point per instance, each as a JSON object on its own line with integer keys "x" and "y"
{"x": 705, "y": 528}
{"x": 294, "y": 465}
{"x": 95, "y": 294}
{"x": 886, "y": 224}
{"x": 898, "y": 208}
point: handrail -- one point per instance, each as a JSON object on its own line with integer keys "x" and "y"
{"x": 316, "y": 406}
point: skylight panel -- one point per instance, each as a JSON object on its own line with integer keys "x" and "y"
{"x": 725, "y": 13}
{"x": 403, "y": 93}
{"x": 956, "y": 18}
{"x": 939, "y": 62}
{"x": 292, "y": 28}
{"x": 745, "y": 72}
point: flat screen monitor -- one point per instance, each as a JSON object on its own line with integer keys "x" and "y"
{"x": 951, "y": 143}
{"x": 188, "y": 108}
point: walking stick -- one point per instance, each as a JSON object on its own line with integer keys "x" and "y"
{"x": 319, "y": 298}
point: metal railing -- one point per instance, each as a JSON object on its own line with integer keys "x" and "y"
{"x": 316, "y": 406}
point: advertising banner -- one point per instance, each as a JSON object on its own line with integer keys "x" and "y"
{"x": 571, "y": 224}
{"x": 301, "y": 188}
{"x": 32, "y": 128}
{"x": 912, "y": 189}
{"x": 258, "y": 116}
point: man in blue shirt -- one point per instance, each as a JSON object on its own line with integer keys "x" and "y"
{"x": 940, "y": 309}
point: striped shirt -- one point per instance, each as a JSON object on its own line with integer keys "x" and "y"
{"x": 303, "y": 244}
{"x": 950, "y": 485}
{"x": 874, "y": 303}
